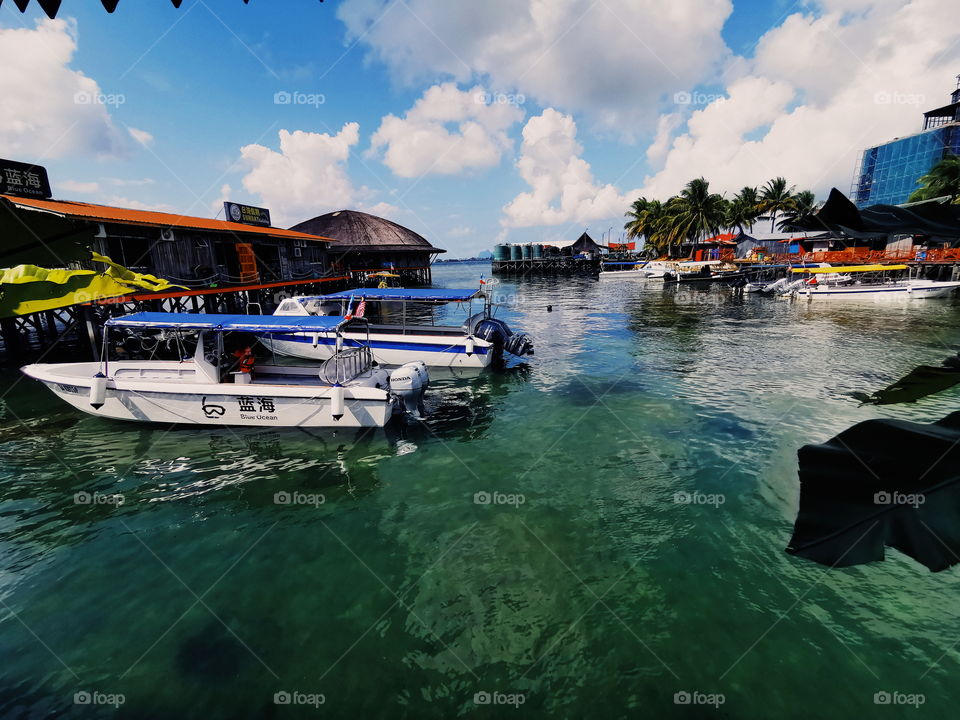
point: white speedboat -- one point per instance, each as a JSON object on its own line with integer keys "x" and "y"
{"x": 865, "y": 282}
{"x": 614, "y": 270}
{"x": 659, "y": 269}
{"x": 208, "y": 387}
{"x": 398, "y": 329}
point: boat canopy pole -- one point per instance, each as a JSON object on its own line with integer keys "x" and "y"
{"x": 104, "y": 353}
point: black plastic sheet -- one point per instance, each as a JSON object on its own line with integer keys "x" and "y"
{"x": 881, "y": 483}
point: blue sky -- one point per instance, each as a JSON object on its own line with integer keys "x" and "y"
{"x": 469, "y": 122}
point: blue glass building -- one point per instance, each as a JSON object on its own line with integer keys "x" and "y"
{"x": 889, "y": 173}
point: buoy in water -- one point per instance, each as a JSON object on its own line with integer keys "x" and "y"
{"x": 98, "y": 391}
{"x": 336, "y": 401}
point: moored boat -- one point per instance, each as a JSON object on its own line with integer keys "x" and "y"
{"x": 613, "y": 270}
{"x": 213, "y": 387}
{"x": 398, "y": 334}
{"x": 865, "y": 282}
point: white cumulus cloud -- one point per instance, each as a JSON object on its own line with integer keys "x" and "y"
{"x": 611, "y": 60}
{"x": 50, "y": 110}
{"x": 821, "y": 87}
{"x": 446, "y": 132}
{"x": 562, "y": 186}
{"x": 141, "y": 136}
{"x": 307, "y": 177}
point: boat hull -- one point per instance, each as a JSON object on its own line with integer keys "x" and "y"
{"x": 204, "y": 403}
{"x": 623, "y": 274}
{"x": 903, "y": 293}
{"x": 389, "y": 349}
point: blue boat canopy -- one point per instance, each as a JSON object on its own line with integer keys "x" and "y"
{"x": 404, "y": 295}
{"x": 228, "y": 323}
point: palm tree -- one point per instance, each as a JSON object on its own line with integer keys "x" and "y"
{"x": 943, "y": 179}
{"x": 696, "y": 213}
{"x": 637, "y": 221}
{"x": 805, "y": 205}
{"x": 776, "y": 197}
{"x": 743, "y": 210}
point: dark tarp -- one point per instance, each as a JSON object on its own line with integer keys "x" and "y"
{"x": 839, "y": 214}
{"x": 881, "y": 483}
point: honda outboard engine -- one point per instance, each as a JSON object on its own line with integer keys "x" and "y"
{"x": 408, "y": 383}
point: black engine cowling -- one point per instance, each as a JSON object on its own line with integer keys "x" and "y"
{"x": 498, "y": 333}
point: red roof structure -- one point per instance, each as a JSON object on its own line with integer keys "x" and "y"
{"x": 74, "y": 210}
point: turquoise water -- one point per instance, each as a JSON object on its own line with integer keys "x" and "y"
{"x": 583, "y": 588}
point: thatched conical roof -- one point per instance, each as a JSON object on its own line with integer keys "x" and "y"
{"x": 354, "y": 230}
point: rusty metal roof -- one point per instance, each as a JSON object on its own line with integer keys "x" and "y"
{"x": 105, "y": 213}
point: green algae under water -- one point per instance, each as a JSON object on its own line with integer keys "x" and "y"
{"x": 582, "y": 585}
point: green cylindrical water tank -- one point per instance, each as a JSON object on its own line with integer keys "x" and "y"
{"x": 537, "y": 251}
{"x": 526, "y": 250}
{"x": 516, "y": 252}
{"x": 501, "y": 252}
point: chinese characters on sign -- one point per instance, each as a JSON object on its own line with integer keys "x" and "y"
{"x": 246, "y": 214}
{"x": 17, "y": 178}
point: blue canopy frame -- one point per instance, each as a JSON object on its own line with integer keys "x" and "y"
{"x": 266, "y": 324}
{"x": 435, "y": 295}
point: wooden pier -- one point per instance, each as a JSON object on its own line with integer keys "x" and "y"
{"x": 77, "y": 328}
{"x": 557, "y": 265}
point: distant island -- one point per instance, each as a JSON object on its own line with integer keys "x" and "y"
{"x": 482, "y": 257}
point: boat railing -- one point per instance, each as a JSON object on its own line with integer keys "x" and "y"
{"x": 345, "y": 365}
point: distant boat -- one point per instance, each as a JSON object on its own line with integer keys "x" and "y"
{"x": 864, "y": 282}
{"x": 616, "y": 270}
{"x": 398, "y": 334}
{"x": 212, "y": 388}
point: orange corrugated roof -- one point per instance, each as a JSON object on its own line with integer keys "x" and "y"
{"x": 722, "y": 239}
{"x": 106, "y": 213}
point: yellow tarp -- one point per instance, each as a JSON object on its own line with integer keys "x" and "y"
{"x": 851, "y": 268}
{"x": 26, "y": 289}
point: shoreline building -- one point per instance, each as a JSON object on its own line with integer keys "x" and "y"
{"x": 191, "y": 251}
{"x": 364, "y": 244}
{"x": 888, "y": 173}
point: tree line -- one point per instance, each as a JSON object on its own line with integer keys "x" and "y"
{"x": 697, "y": 214}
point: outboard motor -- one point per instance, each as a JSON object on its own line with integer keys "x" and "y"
{"x": 493, "y": 331}
{"x": 409, "y": 382}
{"x": 497, "y": 333}
{"x": 519, "y": 344}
